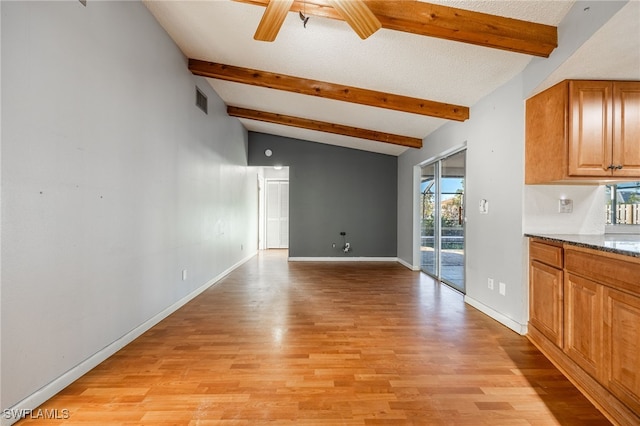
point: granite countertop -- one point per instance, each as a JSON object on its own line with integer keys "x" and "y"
{"x": 626, "y": 244}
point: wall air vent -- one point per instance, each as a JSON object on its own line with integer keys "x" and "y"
{"x": 201, "y": 100}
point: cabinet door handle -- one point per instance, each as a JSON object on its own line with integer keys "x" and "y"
{"x": 611, "y": 167}
{"x": 619, "y": 166}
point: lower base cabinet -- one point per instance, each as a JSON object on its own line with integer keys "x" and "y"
{"x": 583, "y": 323}
{"x": 622, "y": 346}
{"x": 546, "y": 300}
{"x": 587, "y": 321}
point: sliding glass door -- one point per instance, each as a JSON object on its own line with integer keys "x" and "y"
{"x": 442, "y": 219}
{"x": 428, "y": 202}
{"x": 452, "y": 220}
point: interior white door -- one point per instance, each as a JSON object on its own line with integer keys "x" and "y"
{"x": 277, "y": 214}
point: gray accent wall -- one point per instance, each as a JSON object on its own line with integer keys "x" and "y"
{"x": 113, "y": 182}
{"x": 334, "y": 189}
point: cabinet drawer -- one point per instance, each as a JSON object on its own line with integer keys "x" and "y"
{"x": 621, "y": 272}
{"x": 546, "y": 253}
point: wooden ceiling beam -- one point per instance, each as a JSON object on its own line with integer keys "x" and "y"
{"x": 448, "y": 23}
{"x": 328, "y": 90}
{"x": 322, "y": 126}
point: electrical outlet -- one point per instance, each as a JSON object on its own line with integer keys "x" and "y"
{"x": 503, "y": 288}
{"x": 333, "y": 245}
{"x": 565, "y": 206}
{"x": 490, "y": 283}
{"x": 184, "y": 275}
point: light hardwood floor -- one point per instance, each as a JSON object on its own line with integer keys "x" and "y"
{"x": 325, "y": 344}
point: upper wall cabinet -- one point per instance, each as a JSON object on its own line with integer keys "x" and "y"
{"x": 583, "y": 131}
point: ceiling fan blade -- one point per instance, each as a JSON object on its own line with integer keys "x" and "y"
{"x": 358, "y": 15}
{"x": 272, "y": 20}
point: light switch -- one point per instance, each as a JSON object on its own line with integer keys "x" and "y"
{"x": 484, "y": 206}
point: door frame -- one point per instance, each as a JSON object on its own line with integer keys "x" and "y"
{"x": 417, "y": 174}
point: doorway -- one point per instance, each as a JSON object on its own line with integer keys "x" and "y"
{"x": 277, "y": 214}
{"x": 442, "y": 223}
{"x": 273, "y": 208}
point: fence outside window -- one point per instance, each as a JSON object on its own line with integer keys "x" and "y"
{"x": 624, "y": 200}
{"x": 627, "y": 214}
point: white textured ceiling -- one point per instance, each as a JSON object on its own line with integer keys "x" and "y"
{"x": 329, "y": 50}
{"x": 612, "y": 53}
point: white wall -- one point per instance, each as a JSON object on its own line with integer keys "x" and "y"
{"x": 494, "y": 135}
{"x": 495, "y": 156}
{"x": 113, "y": 182}
{"x": 541, "y": 209}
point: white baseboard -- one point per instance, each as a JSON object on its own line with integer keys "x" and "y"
{"x": 40, "y": 396}
{"x": 408, "y": 265}
{"x": 513, "y": 325}
{"x": 355, "y": 259}
{"x": 343, "y": 259}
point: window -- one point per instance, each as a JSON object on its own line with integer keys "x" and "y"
{"x": 623, "y": 203}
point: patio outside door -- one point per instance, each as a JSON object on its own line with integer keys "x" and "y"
{"x": 442, "y": 220}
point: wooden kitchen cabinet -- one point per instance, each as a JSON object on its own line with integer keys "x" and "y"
{"x": 622, "y": 344}
{"x": 584, "y": 315}
{"x": 583, "y": 323}
{"x": 590, "y": 131}
{"x": 581, "y": 130}
{"x": 626, "y": 134}
{"x": 545, "y": 290}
